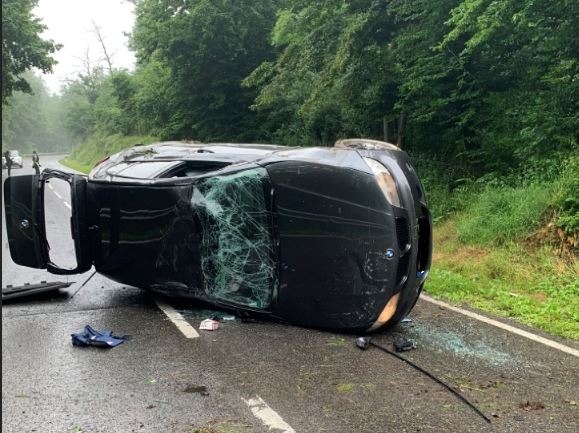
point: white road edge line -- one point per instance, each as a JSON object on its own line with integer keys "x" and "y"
{"x": 58, "y": 195}
{"x": 174, "y": 316}
{"x": 514, "y": 330}
{"x": 67, "y": 205}
{"x": 267, "y": 415}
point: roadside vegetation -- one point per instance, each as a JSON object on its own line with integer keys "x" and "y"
{"x": 508, "y": 245}
{"x": 85, "y": 156}
{"x": 482, "y": 94}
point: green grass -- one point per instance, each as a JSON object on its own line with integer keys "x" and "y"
{"x": 97, "y": 147}
{"x": 75, "y": 165}
{"x": 336, "y": 342}
{"x": 345, "y": 387}
{"x": 525, "y": 282}
{"x": 508, "y": 244}
{"x": 500, "y": 214}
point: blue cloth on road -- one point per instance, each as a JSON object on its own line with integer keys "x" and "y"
{"x": 92, "y": 337}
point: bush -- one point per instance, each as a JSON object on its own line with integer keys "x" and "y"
{"x": 98, "y": 147}
{"x": 503, "y": 213}
{"x": 567, "y": 197}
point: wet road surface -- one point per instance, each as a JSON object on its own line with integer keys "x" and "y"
{"x": 259, "y": 376}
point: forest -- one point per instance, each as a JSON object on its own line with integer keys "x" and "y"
{"x": 483, "y": 94}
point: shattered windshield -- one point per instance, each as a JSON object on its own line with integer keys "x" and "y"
{"x": 237, "y": 257}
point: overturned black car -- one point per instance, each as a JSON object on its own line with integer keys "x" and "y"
{"x": 335, "y": 238}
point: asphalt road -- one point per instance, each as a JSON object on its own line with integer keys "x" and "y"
{"x": 259, "y": 377}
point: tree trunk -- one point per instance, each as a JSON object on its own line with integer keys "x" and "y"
{"x": 401, "y": 123}
{"x": 97, "y": 32}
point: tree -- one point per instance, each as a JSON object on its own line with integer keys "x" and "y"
{"x": 22, "y": 46}
{"x": 335, "y": 75}
{"x": 34, "y": 121}
{"x": 208, "y": 47}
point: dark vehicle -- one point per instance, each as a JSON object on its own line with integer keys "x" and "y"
{"x": 336, "y": 238}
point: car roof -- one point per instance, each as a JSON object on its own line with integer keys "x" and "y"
{"x": 150, "y": 161}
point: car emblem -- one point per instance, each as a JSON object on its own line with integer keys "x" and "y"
{"x": 389, "y": 253}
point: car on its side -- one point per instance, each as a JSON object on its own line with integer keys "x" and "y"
{"x": 334, "y": 238}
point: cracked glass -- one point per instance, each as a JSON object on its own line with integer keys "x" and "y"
{"x": 237, "y": 259}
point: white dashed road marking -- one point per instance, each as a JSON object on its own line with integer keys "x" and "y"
{"x": 258, "y": 407}
{"x": 174, "y": 316}
{"x": 267, "y": 415}
{"x": 514, "y": 330}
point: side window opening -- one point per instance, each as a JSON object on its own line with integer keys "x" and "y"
{"x": 193, "y": 169}
{"x": 237, "y": 258}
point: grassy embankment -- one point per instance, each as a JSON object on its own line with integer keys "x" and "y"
{"x": 500, "y": 245}
{"x": 509, "y": 246}
{"x": 84, "y": 157}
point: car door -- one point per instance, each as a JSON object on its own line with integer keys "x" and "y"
{"x": 25, "y": 221}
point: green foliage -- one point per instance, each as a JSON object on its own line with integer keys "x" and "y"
{"x": 566, "y": 201}
{"x": 22, "y": 46}
{"x": 205, "y": 48}
{"x": 495, "y": 208}
{"x": 75, "y": 165}
{"x": 498, "y": 214}
{"x": 533, "y": 286}
{"x": 334, "y": 77}
{"x": 78, "y": 99}
{"x": 156, "y": 101}
{"x": 34, "y": 121}
{"x": 100, "y": 146}
{"x": 487, "y": 87}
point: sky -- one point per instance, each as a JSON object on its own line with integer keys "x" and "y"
{"x": 70, "y": 24}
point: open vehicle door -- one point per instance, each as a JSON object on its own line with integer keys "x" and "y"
{"x": 25, "y": 222}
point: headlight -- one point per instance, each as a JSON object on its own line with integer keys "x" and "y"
{"x": 385, "y": 181}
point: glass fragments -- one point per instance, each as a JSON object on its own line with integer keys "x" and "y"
{"x": 237, "y": 258}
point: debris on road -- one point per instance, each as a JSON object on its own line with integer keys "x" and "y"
{"x": 209, "y": 325}
{"x": 13, "y": 292}
{"x": 197, "y": 389}
{"x": 404, "y": 344}
{"x": 199, "y": 313}
{"x": 365, "y": 342}
{"x": 92, "y": 337}
{"x": 532, "y": 405}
